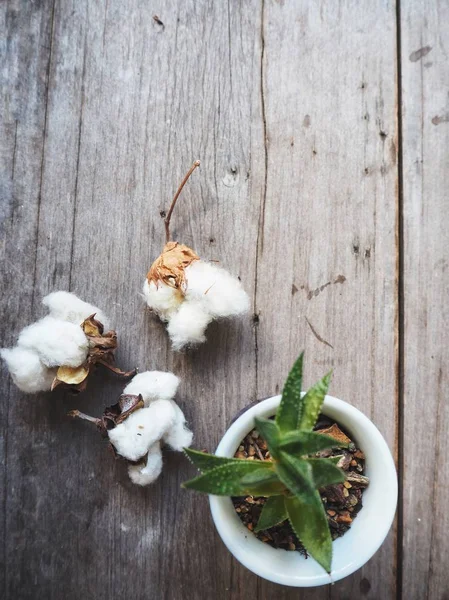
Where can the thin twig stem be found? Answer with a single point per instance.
(80, 415)
(173, 204)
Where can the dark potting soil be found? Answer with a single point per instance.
(342, 501)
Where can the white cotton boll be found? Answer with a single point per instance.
(153, 385)
(144, 474)
(188, 325)
(68, 307)
(27, 371)
(142, 431)
(133, 438)
(221, 294)
(178, 436)
(56, 342)
(162, 298)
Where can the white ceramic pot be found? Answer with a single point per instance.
(367, 531)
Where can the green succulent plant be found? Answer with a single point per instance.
(291, 480)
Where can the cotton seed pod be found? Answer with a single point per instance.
(169, 268)
(145, 417)
(61, 348)
(187, 292)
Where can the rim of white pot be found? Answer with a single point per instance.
(351, 551)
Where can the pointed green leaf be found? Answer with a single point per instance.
(295, 474)
(290, 408)
(312, 403)
(325, 473)
(273, 488)
(270, 433)
(259, 476)
(273, 513)
(305, 510)
(307, 442)
(308, 520)
(205, 462)
(263, 482)
(225, 480)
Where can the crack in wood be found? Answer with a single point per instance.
(259, 242)
(80, 130)
(317, 335)
(316, 292)
(44, 137)
(14, 150)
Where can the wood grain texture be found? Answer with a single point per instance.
(425, 85)
(129, 106)
(327, 238)
(291, 108)
(25, 432)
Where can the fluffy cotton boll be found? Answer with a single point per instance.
(188, 325)
(178, 436)
(68, 307)
(162, 298)
(153, 385)
(27, 371)
(220, 293)
(134, 437)
(146, 473)
(56, 342)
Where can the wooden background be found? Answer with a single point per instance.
(323, 131)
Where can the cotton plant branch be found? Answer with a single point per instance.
(187, 292)
(175, 198)
(101, 347)
(63, 348)
(144, 418)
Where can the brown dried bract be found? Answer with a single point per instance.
(92, 327)
(101, 351)
(113, 415)
(169, 267)
(117, 413)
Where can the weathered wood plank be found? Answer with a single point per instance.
(130, 104)
(25, 52)
(120, 133)
(425, 84)
(62, 147)
(327, 250)
(167, 93)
